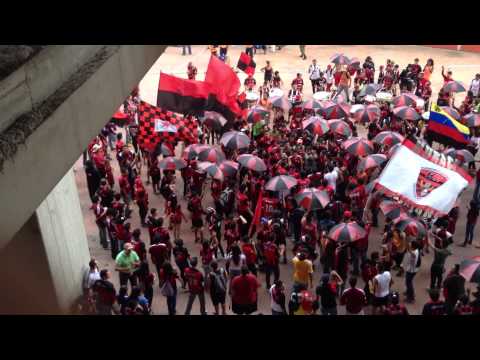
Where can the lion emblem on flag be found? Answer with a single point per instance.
(428, 180)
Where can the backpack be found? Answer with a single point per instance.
(219, 282)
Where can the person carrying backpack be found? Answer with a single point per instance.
(217, 285)
(250, 255)
(272, 261)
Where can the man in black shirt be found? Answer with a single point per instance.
(435, 306)
(454, 287)
(105, 294)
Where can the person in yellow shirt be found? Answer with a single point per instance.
(399, 247)
(302, 270)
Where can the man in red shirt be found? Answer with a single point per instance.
(159, 254)
(354, 298)
(272, 261)
(191, 71)
(269, 205)
(250, 83)
(395, 308)
(195, 208)
(196, 286)
(244, 293)
(125, 187)
(297, 83)
(100, 218)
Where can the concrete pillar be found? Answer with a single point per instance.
(43, 265)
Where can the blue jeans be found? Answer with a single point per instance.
(469, 233)
(172, 303)
(476, 192)
(409, 284)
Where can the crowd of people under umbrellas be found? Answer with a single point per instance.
(318, 203)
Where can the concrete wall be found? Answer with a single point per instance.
(56, 144)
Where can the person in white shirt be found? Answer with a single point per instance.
(329, 76)
(411, 264)
(277, 298)
(332, 177)
(381, 289)
(314, 74)
(475, 86)
(91, 275)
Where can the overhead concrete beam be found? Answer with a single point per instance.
(51, 150)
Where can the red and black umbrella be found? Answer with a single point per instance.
(336, 110)
(406, 99)
(358, 146)
(368, 114)
(393, 210)
(211, 169)
(171, 163)
(165, 150)
(473, 120)
(406, 113)
(340, 127)
(340, 59)
(462, 155)
(312, 199)
(347, 232)
(470, 269)
(370, 89)
(355, 62)
(252, 162)
(452, 112)
(454, 86)
(411, 227)
(211, 154)
(281, 102)
(228, 167)
(281, 183)
(316, 125)
(311, 105)
(213, 120)
(256, 114)
(235, 140)
(371, 161)
(388, 138)
(191, 151)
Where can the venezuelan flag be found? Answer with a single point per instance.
(444, 129)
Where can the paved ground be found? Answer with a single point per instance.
(287, 61)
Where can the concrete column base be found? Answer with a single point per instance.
(42, 267)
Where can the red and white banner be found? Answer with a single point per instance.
(423, 178)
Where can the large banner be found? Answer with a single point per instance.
(423, 178)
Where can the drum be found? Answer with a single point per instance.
(275, 92)
(251, 96)
(426, 115)
(420, 103)
(370, 98)
(322, 95)
(384, 96)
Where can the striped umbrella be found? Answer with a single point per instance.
(281, 102)
(452, 112)
(312, 199)
(171, 163)
(340, 59)
(368, 114)
(406, 99)
(228, 167)
(411, 227)
(311, 105)
(393, 149)
(470, 269)
(473, 120)
(252, 162)
(257, 113)
(358, 146)
(191, 151)
(325, 104)
(463, 156)
(211, 169)
(336, 111)
(370, 89)
(355, 62)
(235, 140)
(281, 183)
(393, 210)
(454, 86)
(388, 138)
(316, 125)
(213, 119)
(347, 232)
(371, 161)
(406, 113)
(340, 127)
(211, 154)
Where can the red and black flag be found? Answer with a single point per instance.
(224, 85)
(246, 64)
(148, 138)
(181, 95)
